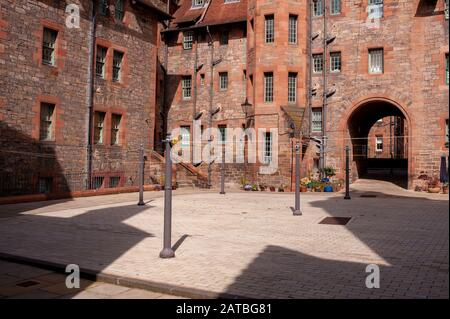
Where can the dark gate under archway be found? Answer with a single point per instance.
(383, 156)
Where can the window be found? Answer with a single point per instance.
(47, 127)
(198, 3)
(335, 61)
(446, 69)
(100, 61)
(99, 122)
(224, 37)
(270, 29)
(292, 87)
(223, 134)
(316, 120)
(267, 147)
(186, 87)
(446, 9)
(116, 119)
(103, 7)
(335, 7)
(223, 79)
(293, 19)
(376, 10)
(202, 79)
(188, 40)
(318, 8)
(45, 185)
(376, 61)
(97, 182)
(49, 46)
(185, 136)
(114, 181)
(268, 87)
(119, 10)
(317, 63)
(446, 133)
(379, 143)
(117, 66)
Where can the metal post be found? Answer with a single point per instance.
(222, 172)
(167, 251)
(347, 173)
(297, 211)
(141, 176)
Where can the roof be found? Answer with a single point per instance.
(149, 3)
(295, 115)
(214, 13)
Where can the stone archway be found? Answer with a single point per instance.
(368, 161)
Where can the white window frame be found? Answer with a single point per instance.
(376, 61)
(317, 61)
(268, 87)
(223, 81)
(335, 62)
(196, 4)
(47, 122)
(317, 5)
(50, 37)
(100, 61)
(292, 87)
(188, 40)
(116, 122)
(268, 147)
(293, 29)
(379, 144)
(185, 132)
(335, 7)
(118, 57)
(99, 127)
(186, 87)
(269, 28)
(316, 120)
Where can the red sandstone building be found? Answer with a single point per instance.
(339, 66)
(76, 104)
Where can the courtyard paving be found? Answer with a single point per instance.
(248, 244)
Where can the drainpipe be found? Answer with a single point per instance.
(324, 107)
(90, 97)
(309, 115)
(211, 97)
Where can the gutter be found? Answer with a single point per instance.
(90, 97)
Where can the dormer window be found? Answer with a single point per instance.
(198, 3)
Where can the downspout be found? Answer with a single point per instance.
(211, 96)
(309, 115)
(90, 97)
(324, 107)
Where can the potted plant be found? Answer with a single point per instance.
(328, 188)
(254, 188)
(433, 186)
(445, 188)
(262, 187)
(329, 172)
(304, 182)
(272, 188)
(281, 188)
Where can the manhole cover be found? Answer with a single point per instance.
(27, 284)
(368, 196)
(335, 221)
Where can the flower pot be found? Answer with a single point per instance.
(272, 189)
(303, 189)
(434, 190)
(328, 189)
(445, 190)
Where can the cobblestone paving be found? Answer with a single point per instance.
(19, 281)
(249, 244)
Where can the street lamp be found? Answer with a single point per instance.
(246, 107)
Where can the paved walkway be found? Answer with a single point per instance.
(249, 244)
(25, 282)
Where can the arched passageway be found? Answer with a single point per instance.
(379, 137)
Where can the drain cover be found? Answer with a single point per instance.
(368, 196)
(27, 284)
(335, 221)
